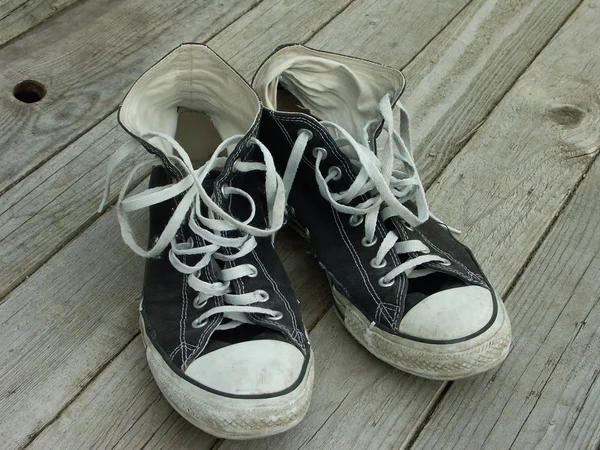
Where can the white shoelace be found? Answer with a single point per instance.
(387, 188)
(211, 227)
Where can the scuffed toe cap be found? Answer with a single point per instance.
(450, 314)
(249, 368)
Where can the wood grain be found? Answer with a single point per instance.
(504, 190)
(454, 83)
(383, 406)
(61, 327)
(18, 16)
(87, 69)
(307, 278)
(51, 205)
(512, 178)
(402, 401)
(63, 184)
(137, 396)
(546, 394)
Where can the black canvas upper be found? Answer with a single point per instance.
(167, 301)
(337, 244)
(167, 308)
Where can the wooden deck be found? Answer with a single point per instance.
(505, 102)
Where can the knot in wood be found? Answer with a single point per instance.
(567, 115)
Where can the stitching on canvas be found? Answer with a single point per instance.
(357, 262)
(295, 328)
(344, 162)
(470, 275)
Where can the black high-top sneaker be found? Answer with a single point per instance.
(220, 321)
(403, 286)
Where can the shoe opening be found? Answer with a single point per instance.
(194, 96)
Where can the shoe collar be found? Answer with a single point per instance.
(332, 87)
(192, 77)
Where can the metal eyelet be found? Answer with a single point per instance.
(264, 295)
(337, 171)
(355, 220)
(366, 243)
(376, 265)
(254, 272)
(384, 283)
(223, 187)
(304, 130)
(197, 324)
(445, 263)
(198, 304)
(407, 226)
(278, 315)
(318, 150)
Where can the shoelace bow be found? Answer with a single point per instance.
(212, 227)
(387, 188)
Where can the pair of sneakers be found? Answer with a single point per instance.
(313, 144)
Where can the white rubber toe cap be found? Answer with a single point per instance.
(450, 314)
(249, 368)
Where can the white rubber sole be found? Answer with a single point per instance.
(226, 417)
(434, 361)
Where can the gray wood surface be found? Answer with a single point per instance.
(72, 371)
(303, 270)
(126, 387)
(331, 407)
(454, 83)
(503, 189)
(56, 201)
(87, 58)
(62, 326)
(547, 393)
(18, 16)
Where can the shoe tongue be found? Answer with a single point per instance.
(334, 92)
(332, 87)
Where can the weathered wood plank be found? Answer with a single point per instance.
(54, 183)
(503, 190)
(546, 395)
(18, 16)
(333, 419)
(96, 293)
(454, 83)
(137, 400)
(515, 173)
(453, 79)
(60, 328)
(45, 210)
(388, 29)
(303, 271)
(386, 419)
(87, 69)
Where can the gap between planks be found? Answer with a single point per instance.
(520, 278)
(86, 70)
(26, 14)
(417, 47)
(547, 387)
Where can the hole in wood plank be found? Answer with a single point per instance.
(29, 91)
